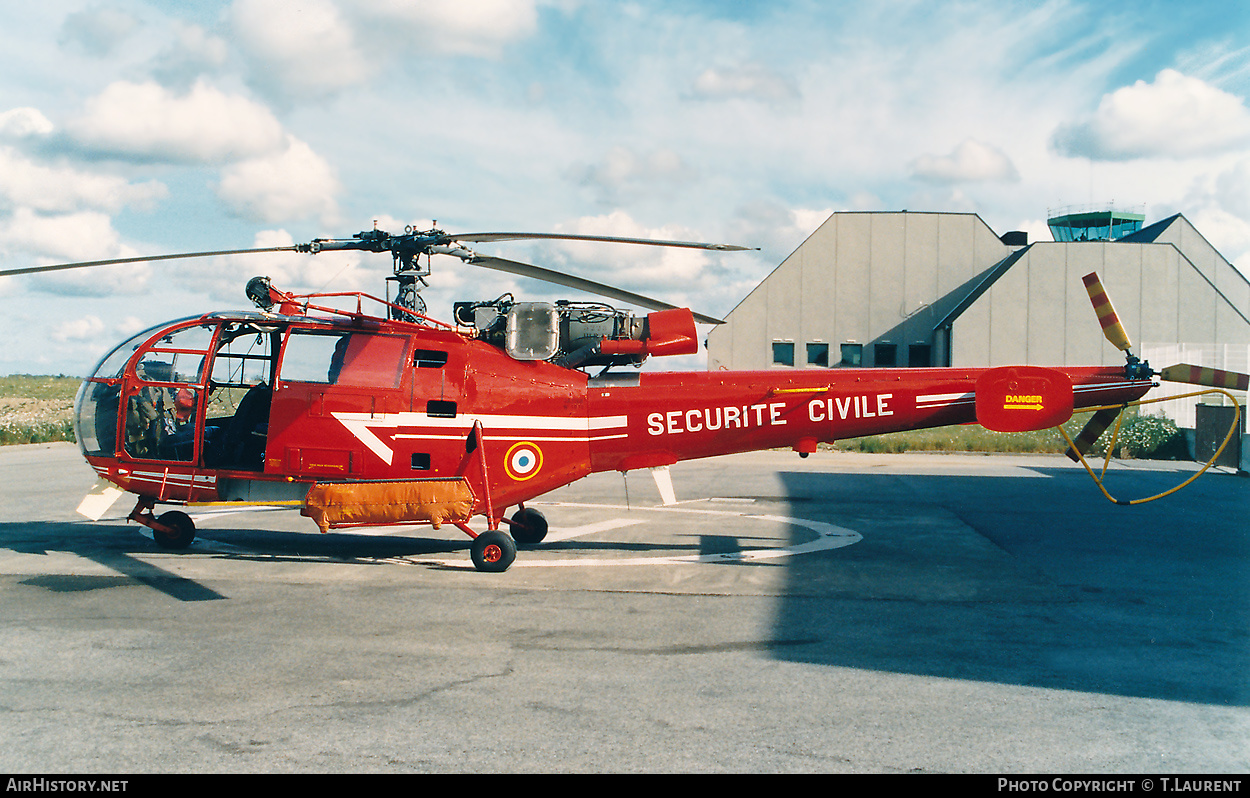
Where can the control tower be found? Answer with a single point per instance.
(1094, 222)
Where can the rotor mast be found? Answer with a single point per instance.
(407, 249)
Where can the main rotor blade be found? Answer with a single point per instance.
(1111, 326)
(139, 259)
(581, 284)
(1199, 375)
(481, 237)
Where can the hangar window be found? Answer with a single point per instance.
(885, 355)
(919, 356)
(818, 355)
(783, 353)
(852, 355)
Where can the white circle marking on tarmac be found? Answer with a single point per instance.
(827, 538)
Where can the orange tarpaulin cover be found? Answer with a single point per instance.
(435, 501)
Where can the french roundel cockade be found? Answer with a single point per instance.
(523, 460)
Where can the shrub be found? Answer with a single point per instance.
(1151, 437)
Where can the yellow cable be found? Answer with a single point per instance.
(1115, 434)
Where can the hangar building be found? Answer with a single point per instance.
(899, 289)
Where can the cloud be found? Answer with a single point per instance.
(294, 183)
(625, 171)
(971, 161)
(61, 189)
(87, 328)
(750, 81)
(22, 123)
(304, 48)
(312, 49)
(1232, 190)
(97, 30)
(145, 122)
(193, 53)
(480, 28)
(87, 235)
(1174, 117)
(69, 238)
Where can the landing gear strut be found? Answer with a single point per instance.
(173, 530)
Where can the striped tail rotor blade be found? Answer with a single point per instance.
(1094, 428)
(1111, 326)
(1198, 375)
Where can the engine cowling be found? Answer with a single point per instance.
(576, 335)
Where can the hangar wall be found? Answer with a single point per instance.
(909, 288)
(935, 289)
(1038, 311)
(860, 278)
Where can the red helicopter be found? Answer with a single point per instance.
(367, 420)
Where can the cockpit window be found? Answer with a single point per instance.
(160, 423)
(343, 358)
(236, 423)
(177, 357)
(114, 362)
(96, 406)
(244, 356)
(162, 410)
(195, 339)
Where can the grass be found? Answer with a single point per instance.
(1142, 437)
(36, 409)
(964, 438)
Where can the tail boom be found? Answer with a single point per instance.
(683, 416)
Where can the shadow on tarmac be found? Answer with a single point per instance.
(1036, 581)
(116, 546)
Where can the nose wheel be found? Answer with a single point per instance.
(493, 551)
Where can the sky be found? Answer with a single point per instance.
(141, 128)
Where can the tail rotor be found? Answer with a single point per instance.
(1111, 326)
(1212, 378)
(1134, 368)
(1137, 369)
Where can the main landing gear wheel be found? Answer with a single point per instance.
(528, 527)
(181, 534)
(493, 551)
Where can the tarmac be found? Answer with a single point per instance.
(843, 613)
